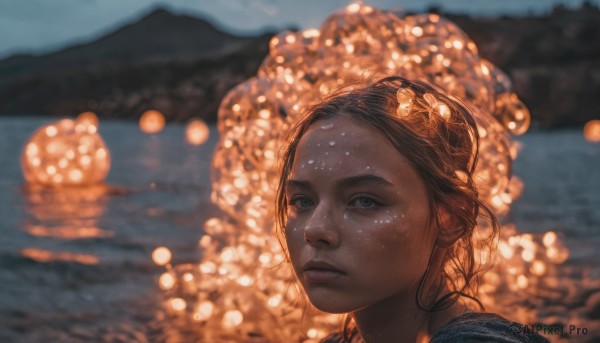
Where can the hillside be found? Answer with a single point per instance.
(183, 66)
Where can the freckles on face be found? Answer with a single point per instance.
(356, 204)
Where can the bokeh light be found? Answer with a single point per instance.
(152, 121)
(161, 256)
(591, 130)
(197, 132)
(66, 153)
(88, 118)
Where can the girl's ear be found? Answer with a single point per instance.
(450, 229)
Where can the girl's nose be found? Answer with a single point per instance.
(321, 230)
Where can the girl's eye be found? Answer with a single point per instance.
(364, 202)
(300, 203)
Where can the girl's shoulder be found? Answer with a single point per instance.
(485, 327)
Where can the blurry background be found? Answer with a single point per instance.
(119, 58)
(75, 266)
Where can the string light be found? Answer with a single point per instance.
(66, 153)
(241, 284)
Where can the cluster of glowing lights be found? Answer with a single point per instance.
(241, 288)
(152, 121)
(66, 153)
(591, 131)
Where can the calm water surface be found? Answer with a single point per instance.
(101, 287)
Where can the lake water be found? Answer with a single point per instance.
(102, 285)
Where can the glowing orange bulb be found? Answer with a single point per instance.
(197, 132)
(245, 280)
(89, 117)
(311, 33)
(522, 281)
(353, 8)
(505, 249)
(591, 131)
(166, 281)
(57, 154)
(538, 268)
(161, 256)
(152, 121)
(204, 311)
(405, 99)
(275, 300)
(51, 131)
(444, 111)
(232, 318)
(417, 31)
(228, 254)
(549, 238)
(208, 267)
(527, 255)
(178, 304)
(86, 121)
(312, 333)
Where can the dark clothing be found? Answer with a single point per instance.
(484, 327)
(475, 327)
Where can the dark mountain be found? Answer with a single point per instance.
(178, 64)
(160, 36)
(553, 60)
(183, 66)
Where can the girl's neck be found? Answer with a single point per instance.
(398, 319)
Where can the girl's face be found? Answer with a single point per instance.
(358, 228)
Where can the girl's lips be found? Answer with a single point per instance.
(321, 275)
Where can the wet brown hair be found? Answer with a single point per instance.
(444, 152)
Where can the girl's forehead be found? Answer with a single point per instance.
(343, 145)
(340, 128)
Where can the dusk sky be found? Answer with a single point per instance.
(40, 26)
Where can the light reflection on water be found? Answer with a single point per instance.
(67, 213)
(74, 262)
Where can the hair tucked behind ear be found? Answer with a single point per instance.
(438, 135)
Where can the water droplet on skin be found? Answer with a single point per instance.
(327, 126)
(347, 153)
(343, 134)
(345, 215)
(368, 167)
(311, 161)
(332, 144)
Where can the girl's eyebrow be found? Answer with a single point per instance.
(301, 184)
(346, 182)
(363, 179)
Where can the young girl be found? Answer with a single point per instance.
(378, 207)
